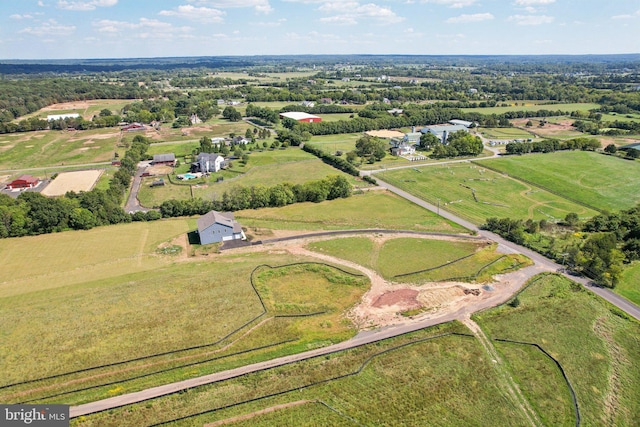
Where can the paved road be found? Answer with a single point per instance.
(133, 204)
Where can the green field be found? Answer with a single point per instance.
(505, 133)
(497, 195)
(534, 107)
(391, 212)
(56, 148)
(604, 182)
(597, 346)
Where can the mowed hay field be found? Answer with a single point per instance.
(56, 148)
(372, 209)
(596, 344)
(496, 195)
(604, 182)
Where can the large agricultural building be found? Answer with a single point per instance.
(301, 117)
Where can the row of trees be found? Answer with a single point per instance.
(335, 161)
(260, 196)
(459, 144)
(551, 145)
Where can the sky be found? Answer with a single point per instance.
(65, 29)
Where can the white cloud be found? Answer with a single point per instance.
(19, 17)
(464, 18)
(531, 19)
(452, 3)
(50, 28)
(145, 28)
(261, 6)
(85, 5)
(202, 14)
(350, 12)
(627, 16)
(533, 2)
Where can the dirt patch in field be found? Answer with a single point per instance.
(73, 181)
(159, 170)
(401, 297)
(385, 133)
(74, 105)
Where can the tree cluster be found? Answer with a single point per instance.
(459, 144)
(551, 145)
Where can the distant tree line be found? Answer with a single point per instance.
(260, 196)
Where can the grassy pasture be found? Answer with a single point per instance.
(55, 148)
(332, 143)
(629, 286)
(497, 195)
(597, 346)
(505, 133)
(62, 259)
(605, 182)
(415, 384)
(404, 256)
(391, 212)
(533, 107)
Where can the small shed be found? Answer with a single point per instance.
(215, 227)
(23, 181)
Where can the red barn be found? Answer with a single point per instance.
(301, 117)
(23, 181)
(133, 127)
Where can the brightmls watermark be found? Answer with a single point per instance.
(34, 415)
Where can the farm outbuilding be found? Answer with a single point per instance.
(23, 181)
(53, 117)
(164, 159)
(217, 227)
(132, 127)
(301, 117)
(443, 131)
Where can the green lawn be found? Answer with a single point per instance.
(497, 195)
(604, 182)
(331, 143)
(598, 347)
(382, 210)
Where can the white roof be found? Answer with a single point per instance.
(460, 122)
(62, 116)
(297, 115)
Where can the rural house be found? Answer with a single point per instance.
(164, 159)
(23, 181)
(207, 162)
(217, 227)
